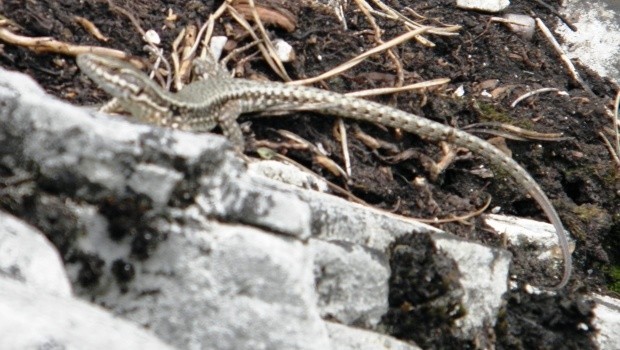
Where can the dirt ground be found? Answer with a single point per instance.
(576, 172)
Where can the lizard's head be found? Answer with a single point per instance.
(118, 78)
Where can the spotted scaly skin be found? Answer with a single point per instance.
(218, 100)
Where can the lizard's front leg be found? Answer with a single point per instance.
(225, 116)
(227, 120)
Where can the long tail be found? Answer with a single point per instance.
(349, 107)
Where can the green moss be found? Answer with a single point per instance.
(588, 212)
(611, 176)
(605, 173)
(489, 112)
(613, 274)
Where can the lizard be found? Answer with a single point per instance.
(217, 99)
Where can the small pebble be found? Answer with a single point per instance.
(284, 50)
(522, 25)
(151, 37)
(216, 45)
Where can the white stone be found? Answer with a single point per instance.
(483, 5)
(151, 37)
(284, 50)
(225, 287)
(27, 256)
(216, 46)
(519, 231)
(597, 41)
(523, 25)
(483, 295)
(288, 174)
(155, 182)
(349, 338)
(607, 321)
(347, 293)
(34, 319)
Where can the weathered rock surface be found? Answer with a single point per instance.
(596, 42)
(27, 256)
(607, 321)
(347, 338)
(37, 307)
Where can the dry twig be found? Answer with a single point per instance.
(513, 132)
(357, 60)
(332, 186)
(449, 154)
(614, 152)
(532, 93)
(91, 28)
(267, 55)
(48, 44)
(457, 218)
(237, 51)
(208, 27)
(449, 30)
(132, 19)
(391, 90)
(558, 49)
(610, 149)
(560, 16)
(276, 16)
(344, 145)
(365, 8)
(616, 121)
(319, 155)
(267, 41)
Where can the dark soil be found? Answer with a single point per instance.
(576, 173)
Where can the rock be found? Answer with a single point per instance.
(336, 220)
(284, 50)
(483, 297)
(607, 321)
(288, 174)
(154, 181)
(522, 25)
(27, 256)
(483, 5)
(593, 19)
(35, 319)
(36, 302)
(348, 338)
(526, 232)
(347, 293)
(229, 286)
